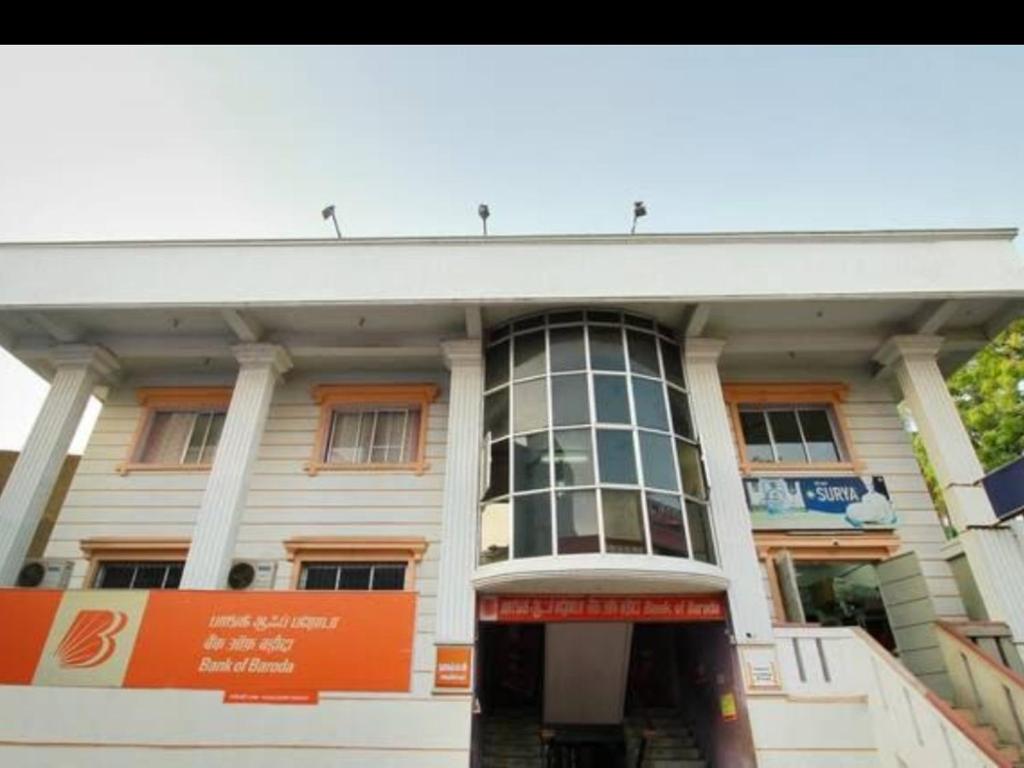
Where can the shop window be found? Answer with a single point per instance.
(790, 426)
(367, 427)
(355, 563)
(179, 428)
(118, 563)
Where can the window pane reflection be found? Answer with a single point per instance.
(567, 350)
(668, 535)
(570, 400)
(531, 405)
(623, 521)
(577, 522)
(494, 533)
(532, 525)
(649, 401)
(611, 399)
(574, 464)
(529, 355)
(615, 457)
(700, 532)
(531, 462)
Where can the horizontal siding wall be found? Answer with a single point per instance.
(884, 447)
(283, 501)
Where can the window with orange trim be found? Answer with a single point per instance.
(372, 427)
(179, 428)
(354, 563)
(135, 563)
(790, 427)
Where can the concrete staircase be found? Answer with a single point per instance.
(1012, 753)
(511, 740)
(670, 742)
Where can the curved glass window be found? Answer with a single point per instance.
(590, 443)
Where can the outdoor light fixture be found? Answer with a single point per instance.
(639, 209)
(484, 212)
(328, 213)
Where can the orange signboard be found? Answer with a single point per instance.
(454, 665)
(554, 608)
(256, 645)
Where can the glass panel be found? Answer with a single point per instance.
(623, 522)
(354, 577)
(700, 532)
(565, 317)
(532, 525)
(499, 470)
(494, 533)
(755, 435)
(531, 463)
(529, 359)
(531, 405)
(599, 316)
(195, 444)
(344, 438)
(570, 400)
(389, 437)
(150, 576)
(606, 349)
(531, 322)
(611, 399)
(643, 353)
(639, 322)
(497, 365)
(680, 407)
(574, 464)
(116, 576)
(788, 444)
(320, 577)
(498, 333)
(173, 579)
(673, 361)
(615, 456)
(658, 461)
(690, 469)
(388, 576)
(821, 445)
(213, 438)
(649, 401)
(167, 435)
(577, 522)
(568, 352)
(668, 536)
(496, 413)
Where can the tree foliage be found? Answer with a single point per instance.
(988, 393)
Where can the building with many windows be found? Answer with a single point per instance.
(509, 501)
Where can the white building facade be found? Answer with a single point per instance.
(518, 501)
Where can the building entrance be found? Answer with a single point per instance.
(610, 694)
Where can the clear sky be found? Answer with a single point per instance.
(253, 142)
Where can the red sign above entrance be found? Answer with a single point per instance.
(516, 609)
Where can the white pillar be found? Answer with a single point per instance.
(456, 612)
(730, 517)
(78, 369)
(995, 555)
(213, 542)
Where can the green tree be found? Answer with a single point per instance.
(989, 393)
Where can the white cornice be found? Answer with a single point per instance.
(998, 233)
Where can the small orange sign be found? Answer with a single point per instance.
(454, 666)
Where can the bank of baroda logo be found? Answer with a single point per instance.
(91, 639)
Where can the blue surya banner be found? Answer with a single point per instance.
(819, 503)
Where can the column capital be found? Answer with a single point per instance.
(273, 356)
(462, 352)
(97, 359)
(908, 347)
(702, 350)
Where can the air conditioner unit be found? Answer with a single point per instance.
(45, 574)
(252, 574)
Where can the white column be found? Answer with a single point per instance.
(78, 369)
(213, 542)
(456, 612)
(995, 554)
(729, 515)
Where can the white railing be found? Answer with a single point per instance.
(912, 725)
(992, 691)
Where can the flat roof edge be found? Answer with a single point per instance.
(895, 235)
